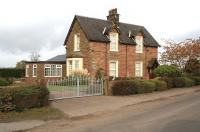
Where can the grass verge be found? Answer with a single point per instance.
(44, 113)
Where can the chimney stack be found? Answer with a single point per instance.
(113, 17)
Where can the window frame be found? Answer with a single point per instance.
(116, 43)
(117, 67)
(77, 42)
(34, 70)
(27, 70)
(140, 38)
(141, 68)
(51, 72)
(73, 64)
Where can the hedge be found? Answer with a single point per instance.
(170, 82)
(160, 85)
(20, 98)
(145, 86)
(125, 87)
(12, 72)
(196, 79)
(3, 82)
(180, 82)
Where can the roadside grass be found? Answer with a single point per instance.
(44, 113)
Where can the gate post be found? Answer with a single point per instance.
(78, 89)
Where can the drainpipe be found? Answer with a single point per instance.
(126, 61)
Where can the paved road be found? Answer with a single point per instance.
(175, 114)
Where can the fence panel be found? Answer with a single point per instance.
(75, 87)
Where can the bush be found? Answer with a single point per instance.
(196, 79)
(145, 86)
(183, 82)
(3, 82)
(12, 72)
(167, 71)
(160, 85)
(169, 81)
(124, 87)
(20, 98)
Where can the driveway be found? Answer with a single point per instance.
(78, 107)
(175, 114)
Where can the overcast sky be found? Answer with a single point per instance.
(41, 25)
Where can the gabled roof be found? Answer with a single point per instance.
(58, 58)
(93, 29)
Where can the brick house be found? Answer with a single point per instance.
(120, 49)
(54, 68)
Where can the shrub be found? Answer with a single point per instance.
(20, 98)
(167, 71)
(160, 85)
(145, 86)
(12, 72)
(169, 81)
(3, 82)
(183, 82)
(196, 79)
(124, 87)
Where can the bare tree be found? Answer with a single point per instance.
(35, 56)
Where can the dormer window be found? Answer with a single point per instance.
(139, 44)
(77, 42)
(113, 41)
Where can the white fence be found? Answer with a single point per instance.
(75, 87)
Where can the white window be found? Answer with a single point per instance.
(52, 70)
(113, 68)
(139, 44)
(113, 41)
(34, 70)
(74, 64)
(77, 42)
(138, 69)
(27, 70)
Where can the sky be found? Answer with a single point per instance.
(41, 26)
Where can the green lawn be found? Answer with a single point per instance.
(44, 113)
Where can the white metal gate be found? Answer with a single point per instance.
(75, 87)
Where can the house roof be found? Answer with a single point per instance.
(58, 58)
(93, 29)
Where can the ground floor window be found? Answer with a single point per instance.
(113, 68)
(53, 70)
(34, 70)
(27, 70)
(74, 64)
(138, 69)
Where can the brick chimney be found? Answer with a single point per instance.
(113, 17)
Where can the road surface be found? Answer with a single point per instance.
(174, 114)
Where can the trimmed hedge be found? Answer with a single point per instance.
(160, 85)
(12, 72)
(180, 82)
(145, 86)
(124, 87)
(20, 98)
(196, 79)
(4, 82)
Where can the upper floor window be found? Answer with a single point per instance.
(113, 41)
(77, 42)
(27, 70)
(34, 70)
(139, 44)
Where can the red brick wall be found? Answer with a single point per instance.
(97, 55)
(40, 73)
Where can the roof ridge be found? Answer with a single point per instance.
(107, 20)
